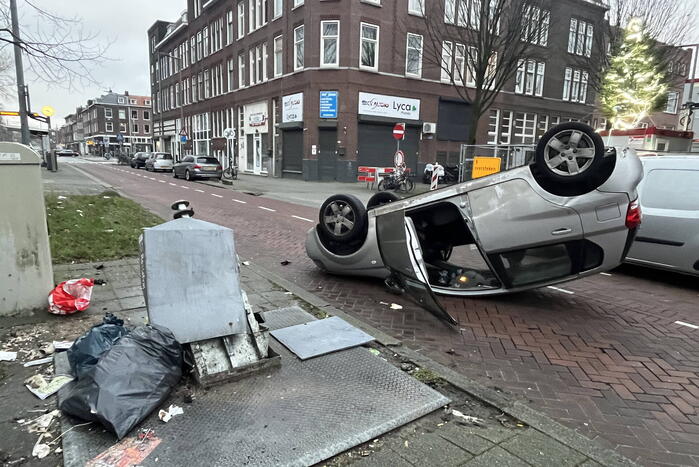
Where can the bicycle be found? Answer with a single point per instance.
(231, 172)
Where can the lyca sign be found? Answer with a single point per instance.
(380, 105)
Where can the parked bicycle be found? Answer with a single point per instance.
(397, 181)
(231, 172)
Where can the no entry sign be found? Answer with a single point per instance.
(399, 131)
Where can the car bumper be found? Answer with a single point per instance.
(199, 174)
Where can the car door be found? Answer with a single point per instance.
(669, 233)
(401, 253)
(527, 238)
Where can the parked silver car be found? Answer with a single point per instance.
(669, 196)
(570, 214)
(192, 167)
(160, 161)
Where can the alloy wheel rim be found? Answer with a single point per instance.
(339, 218)
(569, 153)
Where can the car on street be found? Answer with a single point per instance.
(160, 161)
(138, 161)
(193, 167)
(66, 153)
(669, 197)
(572, 213)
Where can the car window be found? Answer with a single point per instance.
(188, 159)
(671, 189)
(167, 157)
(207, 160)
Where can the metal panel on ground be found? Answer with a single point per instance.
(321, 337)
(303, 413)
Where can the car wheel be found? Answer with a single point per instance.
(133, 166)
(174, 174)
(379, 199)
(187, 176)
(343, 218)
(569, 153)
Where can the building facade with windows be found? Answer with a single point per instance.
(313, 88)
(109, 123)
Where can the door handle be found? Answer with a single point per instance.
(561, 231)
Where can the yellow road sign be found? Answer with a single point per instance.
(483, 166)
(48, 111)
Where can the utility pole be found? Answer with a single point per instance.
(21, 89)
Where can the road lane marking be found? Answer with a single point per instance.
(218, 196)
(569, 292)
(239, 201)
(605, 274)
(689, 325)
(200, 191)
(185, 187)
(302, 218)
(267, 209)
(151, 178)
(173, 184)
(161, 181)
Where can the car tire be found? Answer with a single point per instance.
(379, 199)
(343, 218)
(569, 154)
(174, 174)
(133, 166)
(187, 176)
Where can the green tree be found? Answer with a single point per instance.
(637, 79)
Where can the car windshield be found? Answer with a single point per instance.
(207, 160)
(144, 156)
(167, 157)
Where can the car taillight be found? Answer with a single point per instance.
(197, 166)
(633, 215)
(218, 167)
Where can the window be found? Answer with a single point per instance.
(134, 114)
(258, 67)
(298, 48)
(121, 100)
(463, 12)
(122, 114)
(147, 102)
(536, 26)
(580, 37)
(241, 70)
(193, 49)
(278, 57)
(207, 84)
(231, 74)
(260, 7)
(298, 3)
(672, 189)
(525, 128)
(122, 127)
(110, 127)
(134, 128)
(146, 128)
(530, 78)
(413, 55)
(107, 113)
(241, 20)
(205, 33)
(672, 98)
(229, 27)
(369, 47)
(575, 85)
(278, 7)
(329, 40)
(146, 115)
(447, 61)
(417, 7)
(132, 101)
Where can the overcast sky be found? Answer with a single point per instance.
(125, 23)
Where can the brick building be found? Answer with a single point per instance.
(313, 87)
(108, 123)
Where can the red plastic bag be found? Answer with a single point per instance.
(71, 296)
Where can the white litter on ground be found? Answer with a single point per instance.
(8, 356)
(173, 410)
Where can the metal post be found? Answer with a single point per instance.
(21, 90)
(690, 98)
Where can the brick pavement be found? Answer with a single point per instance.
(606, 360)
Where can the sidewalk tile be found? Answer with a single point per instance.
(430, 449)
(496, 457)
(465, 440)
(540, 449)
(383, 458)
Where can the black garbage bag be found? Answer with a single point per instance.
(88, 348)
(130, 380)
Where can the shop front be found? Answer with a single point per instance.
(254, 140)
(292, 136)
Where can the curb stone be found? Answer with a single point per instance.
(515, 408)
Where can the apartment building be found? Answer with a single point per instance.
(110, 122)
(313, 87)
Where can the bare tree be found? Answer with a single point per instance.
(479, 45)
(56, 49)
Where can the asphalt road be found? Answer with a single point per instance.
(604, 355)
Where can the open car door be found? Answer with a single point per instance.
(401, 252)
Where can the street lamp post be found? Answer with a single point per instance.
(179, 77)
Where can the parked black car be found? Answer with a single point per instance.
(139, 160)
(192, 167)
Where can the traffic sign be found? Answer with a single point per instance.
(229, 133)
(183, 138)
(484, 166)
(120, 138)
(399, 158)
(399, 131)
(183, 132)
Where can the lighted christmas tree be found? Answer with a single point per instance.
(635, 85)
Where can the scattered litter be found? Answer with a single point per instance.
(173, 410)
(8, 356)
(468, 418)
(42, 389)
(70, 296)
(395, 306)
(288, 293)
(108, 230)
(407, 366)
(41, 450)
(384, 303)
(100, 282)
(129, 451)
(374, 351)
(107, 197)
(406, 443)
(246, 263)
(62, 197)
(47, 349)
(451, 351)
(285, 262)
(41, 424)
(99, 266)
(62, 345)
(41, 361)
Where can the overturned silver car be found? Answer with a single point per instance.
(572, 213)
